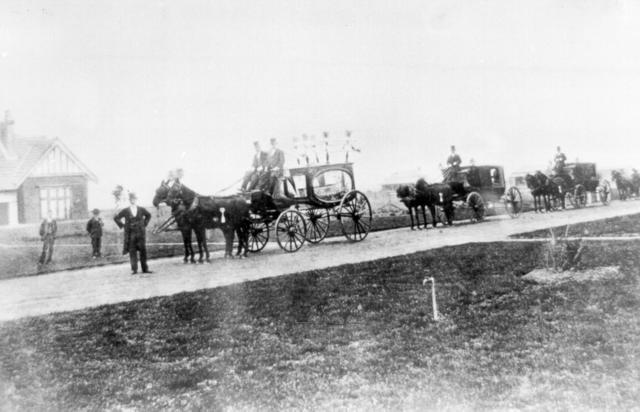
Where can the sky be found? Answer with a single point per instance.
(136, 88)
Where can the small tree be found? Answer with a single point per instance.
(563, 253)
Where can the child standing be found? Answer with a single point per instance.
(94, 228)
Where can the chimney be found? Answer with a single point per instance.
(7, 136)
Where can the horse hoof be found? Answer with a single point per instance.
(193, 262)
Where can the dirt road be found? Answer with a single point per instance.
(77, 289)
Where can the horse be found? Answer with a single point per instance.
(422, 194)
(625, 186)
(229, 214)
(186, 223)
(538, 191)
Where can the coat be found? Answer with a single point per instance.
(49, 229)
(259, 160)
(275, 160)
(94, 227)
(134, 226)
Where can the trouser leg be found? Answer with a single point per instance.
(133, 258)
(49, 241)
(99, 246)
(143, 255)
(43, 255)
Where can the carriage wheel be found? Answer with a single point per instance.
(355, 216)
(291, 230)
(604, 192)
(580, 196)
(317, 224)
(476, 204)
(513, 202)
(258, 235)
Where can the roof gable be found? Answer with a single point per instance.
(40, 157)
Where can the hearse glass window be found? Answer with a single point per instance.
(331, 185)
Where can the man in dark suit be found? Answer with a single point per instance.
(559, 161)
(94, 228)
(453, 166)
(136, 220)
(275, 166)
(48, 230)
(258, 165)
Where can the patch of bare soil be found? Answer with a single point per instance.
(550, 276)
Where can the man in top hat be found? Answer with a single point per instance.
(136, 219)
(258, 165)
(559, 161)
(94, 228)
(48, 230)
(453, 166)
(275, 166)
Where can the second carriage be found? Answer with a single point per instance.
(478, 188)
(313, 195)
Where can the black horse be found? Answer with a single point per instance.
(229, 214)
(422, 194)
(187, 222)
(626, 188)
(539, 193)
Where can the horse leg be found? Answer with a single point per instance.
(228, 242)
(448, 211)
(186, 242)
(200, 239)
(434, 218)
(424, 216)
(204, 245)
(411, 216)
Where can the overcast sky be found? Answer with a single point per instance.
(135, 88)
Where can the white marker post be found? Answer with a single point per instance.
(434, 304)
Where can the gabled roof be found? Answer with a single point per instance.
(29, 152)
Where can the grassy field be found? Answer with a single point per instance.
(351, 337)
(616, 226)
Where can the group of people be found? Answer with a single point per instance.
(133, 219)
(266, 169)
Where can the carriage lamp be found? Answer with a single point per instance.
(434, 304)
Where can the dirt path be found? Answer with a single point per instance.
(77, 289)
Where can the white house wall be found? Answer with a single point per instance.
(11, 197)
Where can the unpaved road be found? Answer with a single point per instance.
(77, 289)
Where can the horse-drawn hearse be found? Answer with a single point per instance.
(312, 195)
(480, 187)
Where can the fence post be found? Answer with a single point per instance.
(434, 303)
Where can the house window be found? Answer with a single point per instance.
(57, 199)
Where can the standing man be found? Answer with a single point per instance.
(48, 229)
(559, 161)
(94, 228)
(258, 165)
(136, 220)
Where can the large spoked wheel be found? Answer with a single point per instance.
(355, 215)
(580, 196)
(291, 230)
(317, 224)
(513, 202)
(258, 235)
(604, 192)
(476, 204)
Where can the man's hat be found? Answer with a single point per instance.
(96, 211)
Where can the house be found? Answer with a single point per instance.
(37, 175)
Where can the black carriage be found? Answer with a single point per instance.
(480, 187)
(312, 196)
(580, 179)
